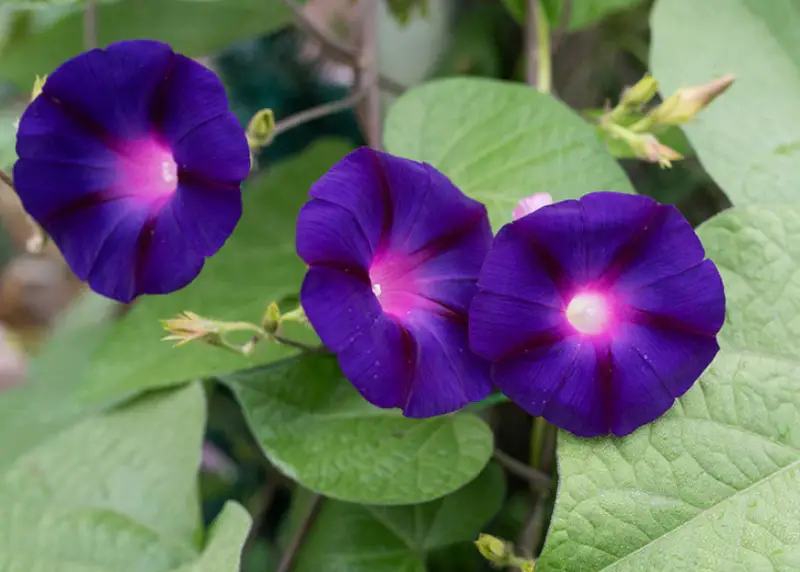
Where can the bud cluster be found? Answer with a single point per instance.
(638, 128)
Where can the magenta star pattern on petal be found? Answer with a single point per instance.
(132, 163)
(394, 250)
(598, 313)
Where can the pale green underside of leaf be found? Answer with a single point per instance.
(193, 28)
(362, 538)
(714, 485)
(257, 265)
(314, 426)
(749, 139)
(500, 142)
(106, 492)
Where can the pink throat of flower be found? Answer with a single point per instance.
(590, 313)
(395, 286)
(149, 170)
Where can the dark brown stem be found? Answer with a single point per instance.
(318, 112)
(260, 506)
(296, 542)
(537, 479)
(90, 25)
(368, 65)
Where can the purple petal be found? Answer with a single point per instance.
(159, 245)
(214, 154)
(577, 241)
(429, 212)
(206, 216)
(650, 369)
(47, 133)
(329, 234)
(557, 382)
(114, 271)
(190, 96)
(110, 91)
(447, 375)
(340, 306)
(82, 233)
(355, 184)
(48, 189)
(512, 268)
(423, 368)
(693, 300)
(500, 326)
(670, 247)
(379, 362)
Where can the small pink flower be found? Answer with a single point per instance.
(532, 203)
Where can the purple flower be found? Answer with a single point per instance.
(597, 314)
(394, 250)
(132, 162)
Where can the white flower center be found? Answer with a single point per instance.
(588, 313)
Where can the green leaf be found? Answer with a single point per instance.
(364, 538)
(583, 13)
(224, 548)
(193, 28)
(712, 485)
(257, 265)
(78, 332)
(110, 492)
(319, 431)
(748, 140)
(500, 142)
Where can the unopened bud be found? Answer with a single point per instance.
(651, 149)
(530, 204)
(260, 127)
(527, 566)
(272, 319)
(640, 93)
(687, 102)
(493, 549)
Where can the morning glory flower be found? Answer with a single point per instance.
(131, 161)
(394, 250)
(598, 313)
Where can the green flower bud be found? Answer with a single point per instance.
(494, 550)
(687, 102)
(641, 93)
(260, 127)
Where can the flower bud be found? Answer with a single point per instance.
(272, 318)
(651, 149)
(687, 102)
(260, 127)
(493, 549)
(527, 205)
(641, 93)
